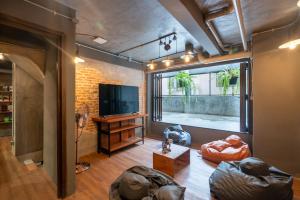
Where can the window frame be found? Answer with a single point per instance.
(245, 94)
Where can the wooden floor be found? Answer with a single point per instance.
(16, 182)
(94, 184)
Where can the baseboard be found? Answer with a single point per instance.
(36, 156)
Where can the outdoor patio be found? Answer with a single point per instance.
(203, 120)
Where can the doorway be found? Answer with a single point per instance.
(32, 146)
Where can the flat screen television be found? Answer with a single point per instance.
(118, 99)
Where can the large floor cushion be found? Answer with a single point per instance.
(178, 135)
(230, 149)
(250, 179)
(143, 183)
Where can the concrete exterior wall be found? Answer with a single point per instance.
(28, 115)
(211, 105)
(88, 77)
(276, 94)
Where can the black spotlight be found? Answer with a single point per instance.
(174, 37)
(167, 47)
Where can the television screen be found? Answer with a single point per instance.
(118, 99)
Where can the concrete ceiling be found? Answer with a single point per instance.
(127, 23)
(258, 15)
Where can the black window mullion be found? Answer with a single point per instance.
(157, 97)
(244, 97)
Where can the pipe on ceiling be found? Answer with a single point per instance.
(74, 20)
(240, 19)
(212, 16)
(108, 53)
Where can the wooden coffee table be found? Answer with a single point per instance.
(170, 162)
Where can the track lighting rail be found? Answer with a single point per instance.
(146, 43)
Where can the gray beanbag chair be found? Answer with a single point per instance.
(144, 183)
(250, 179)
(178, 135)
(133, 186)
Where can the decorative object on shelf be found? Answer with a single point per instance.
(81, 118)
(166, 145)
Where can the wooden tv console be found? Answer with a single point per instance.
(117, 132)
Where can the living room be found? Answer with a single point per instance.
(152, 99)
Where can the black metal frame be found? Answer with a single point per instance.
(157, 97)
(246, 103)
(107, 132)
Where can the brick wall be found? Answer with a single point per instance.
(88, 76)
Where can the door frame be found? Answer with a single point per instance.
(61, 127)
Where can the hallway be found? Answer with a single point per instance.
(17, 182)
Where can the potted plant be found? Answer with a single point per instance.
(227, 78)
(185, 82)
(223, 80)
(235, 73)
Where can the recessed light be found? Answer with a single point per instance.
(100, 40)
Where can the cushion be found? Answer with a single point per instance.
(133, 186)
(170, 192)
(232, 149)
(176, 128)
(234, 140)
(255, 167)
(219, 145)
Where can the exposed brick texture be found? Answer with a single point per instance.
(93, 72)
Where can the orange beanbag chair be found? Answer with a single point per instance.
(230, 149)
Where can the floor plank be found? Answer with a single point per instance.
(16, 182)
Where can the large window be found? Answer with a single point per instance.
(212, 97)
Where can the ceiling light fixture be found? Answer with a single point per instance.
(175, 38)
(291, 44)
(298, 4)
(189, 51)
(168, 62)
(77, 59)
(187, 57)
(151, 65)
(100, 40)
(1, 56)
